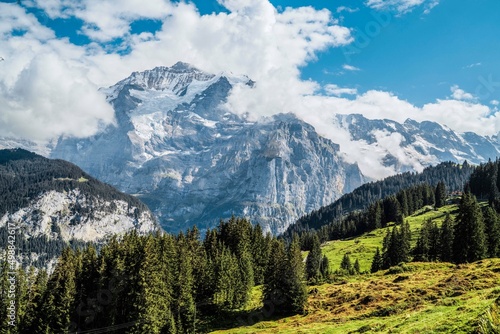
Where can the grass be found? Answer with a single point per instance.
(426, 298)
(432, 298)
(363, 248)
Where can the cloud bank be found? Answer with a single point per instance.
(49, 86)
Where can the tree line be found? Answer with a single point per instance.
(453, 175)
(159, 283)
(473, 234)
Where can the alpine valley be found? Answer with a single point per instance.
(193, 162)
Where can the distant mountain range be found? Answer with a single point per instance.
(403, 146)
(192, 161)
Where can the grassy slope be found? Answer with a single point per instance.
(429, 298)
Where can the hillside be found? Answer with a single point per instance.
(453, 175)
(53, 203)
(413, 298)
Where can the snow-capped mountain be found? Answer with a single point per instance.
(193, 162)
(411, 145)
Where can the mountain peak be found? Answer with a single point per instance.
(181, 66)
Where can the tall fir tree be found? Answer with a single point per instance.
(469, 242)
(492, 230)
(377, 262)
(313, 261)
(296, 294)
(440, 194)
(446, 236)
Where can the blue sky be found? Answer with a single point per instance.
(422, 59)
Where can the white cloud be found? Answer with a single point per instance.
(401, 6)
(347, 9)
(44, 88)
(335, 90)
(473, 65)
(495, 102)
(430, 6)
(55, 83)
(460, 94)
(348, 67)
(105, 20)
(253, 39)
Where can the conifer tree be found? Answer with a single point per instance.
(440, 194)
(59, 299)
(377, 262)
(346, 264)
(185, 309)
(313, 261)
(324, 267)
(356, 268)
(446, 239)
(296, 290)
(469, 243)
(492, 230)
(275, 277)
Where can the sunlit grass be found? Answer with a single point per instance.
(427, 298)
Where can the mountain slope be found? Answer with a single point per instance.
(52, 203)
(453, 175)
(411, 145)
(193, 162)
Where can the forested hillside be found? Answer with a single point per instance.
(24, 175)
(158, 283)
(52, 203)
(452, 175)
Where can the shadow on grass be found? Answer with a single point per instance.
(223, 320)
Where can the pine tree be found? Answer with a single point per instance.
(296, 292)
(155, 292)
(346, 264)
(275, 278)
(469, 243)
(185, 310)
(492, 229)
(313, 261)
(377, 262)
(59, 299)
(446, 239)
(440, 194)
(324, 267)
(356, 268)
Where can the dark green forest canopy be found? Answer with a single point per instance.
(25, 175)
(453, 175)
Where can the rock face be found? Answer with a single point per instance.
(72, 215)
(49, 204)
(406, 145)
(193, 162)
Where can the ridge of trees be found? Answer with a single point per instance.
(158, 283)
(473, 234)
(452, 175)
(25, 175)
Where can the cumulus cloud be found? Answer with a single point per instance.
(253, 39)
(460, 94)
(48, 86)
(44, 92)
(335, 90)
(347, 9)
(105, 20)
